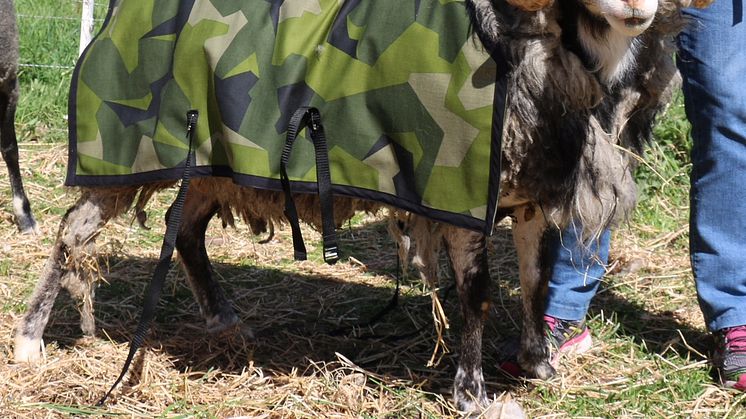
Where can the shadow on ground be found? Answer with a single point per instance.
(297, 317)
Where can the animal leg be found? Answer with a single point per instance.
(466, 250)
(70, 264)
(9, 146)
(529, 231)
(199, 208)
(428, 238)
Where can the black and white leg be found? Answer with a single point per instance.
(467, 253)
(9, 147)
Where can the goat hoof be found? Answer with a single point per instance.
(468, 391)
(503, 409)
(26, 349)
(24, 218)
(470, 407)
(27, 225)
(222, 322)
(88, 324)
(542, 370)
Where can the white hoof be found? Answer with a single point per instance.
(504, 409)
(26, 350)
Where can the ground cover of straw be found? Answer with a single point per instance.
(304, 358)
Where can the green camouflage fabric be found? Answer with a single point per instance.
(405, 90)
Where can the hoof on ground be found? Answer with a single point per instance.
(542, 370)
(503, 408)
(24, 218)
(228, 323)
(27, 226)
(472, 408)
(26, 350)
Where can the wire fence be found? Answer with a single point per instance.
(84, 23)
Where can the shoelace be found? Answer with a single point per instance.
(735, 339)
(551, 322)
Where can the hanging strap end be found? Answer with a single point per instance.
(331, 254)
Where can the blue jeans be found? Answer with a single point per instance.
(577, 269)
(712, 61)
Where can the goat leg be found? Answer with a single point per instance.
(9, 146)
(69, 265)
(467, 253)
(199, 208)
(528, 234)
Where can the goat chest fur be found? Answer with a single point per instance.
(406, 92)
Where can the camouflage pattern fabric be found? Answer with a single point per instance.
(406, 93)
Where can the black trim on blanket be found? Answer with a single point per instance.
(460, 220)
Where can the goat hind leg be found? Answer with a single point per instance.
(199, 208)
(68, 265)
(467, 253)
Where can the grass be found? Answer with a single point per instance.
(48, 49)
(650, 343)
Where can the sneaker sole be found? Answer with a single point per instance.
(575, 346)
(738, 385)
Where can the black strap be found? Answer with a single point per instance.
(393, 302)
(164, 262)
(291, 213)
(310, 118)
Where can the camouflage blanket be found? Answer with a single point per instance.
(406, 92)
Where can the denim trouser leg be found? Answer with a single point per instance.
(576, 272)
(712, 61)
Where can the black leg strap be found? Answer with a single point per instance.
(291, 213)
(164, 262)
(307, 117)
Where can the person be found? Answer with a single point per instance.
(712, 62)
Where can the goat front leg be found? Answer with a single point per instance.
(199, 208)
(467, 253)
(70, 264)
(529, 234)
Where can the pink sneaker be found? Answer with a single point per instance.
(730, 357)
(566, 337)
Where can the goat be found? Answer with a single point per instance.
(586, 83)
(8, 102)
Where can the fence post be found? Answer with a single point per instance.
(86, 25)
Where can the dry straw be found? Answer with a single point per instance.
(293, 366)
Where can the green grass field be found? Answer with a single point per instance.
(648, 360)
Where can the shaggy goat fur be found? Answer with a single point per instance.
(8, 101)
(574, 127)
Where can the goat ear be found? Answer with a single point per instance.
(536, 5)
